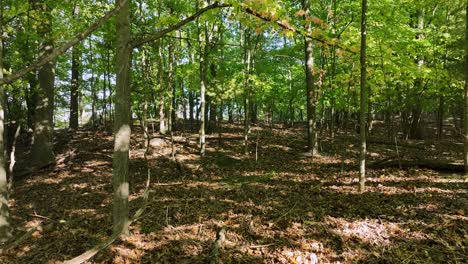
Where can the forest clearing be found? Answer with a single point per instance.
(233, 131)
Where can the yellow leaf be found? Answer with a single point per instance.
(300, 13)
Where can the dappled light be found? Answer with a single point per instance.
(283, 213)
(227, 131)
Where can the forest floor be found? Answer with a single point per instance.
(283, 207)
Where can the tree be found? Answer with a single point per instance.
(42, 153)
(75, 80)
(312, 143)
(203, 49)
(363, 102)
(465, 152)
(5, 228)
(122, 123)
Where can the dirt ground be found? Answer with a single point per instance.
(276, 205)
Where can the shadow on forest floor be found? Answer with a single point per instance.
(275, 210)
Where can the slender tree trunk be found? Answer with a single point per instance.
(312, 143)
(94, 96)
(247, 112)
(122, 124)
(465, 152)
(111, 118)
(104, 101)
(5, 228)
(171, 87)
(440, 117)
(230, 113)
(291, 98)
(42, 149)
(416, 131)
(363, 103)
(162, 116)
(191, 106)
(203, 48)
(75, 81)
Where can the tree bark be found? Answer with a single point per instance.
(191, 106)
(94, 97)
(465, 151)
(440, 117)
(162, 116)
(312, 143)
(363, 103)
(122, 124)
(416, 131)
(75, 81)
(5, 228)
(203, 50)
(247, 108)
(171, 87)
(42, 149)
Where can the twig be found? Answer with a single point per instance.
(285, 214)
(42, 217)
(262, 246)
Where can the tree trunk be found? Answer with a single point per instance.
(203, 49)
(75, 81)
(247, 61)
(312, 143)
(171, 87)
(5, 228)
(416, 131)
(363, 103)
(465, 152)
(94, 97)
(31, 98)
(162, 116)
(191, 106)
(440, 117)
(42, 149)
(122, 124)
(230, 113)
(212, 116)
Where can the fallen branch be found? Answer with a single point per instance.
(412, 145)
(425, 164)
(262, 246)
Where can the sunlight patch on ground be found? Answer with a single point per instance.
(370, 231)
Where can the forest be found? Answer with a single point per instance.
(233, 131)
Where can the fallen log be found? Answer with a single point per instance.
(404, 144)
(425, 164)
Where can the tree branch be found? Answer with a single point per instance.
(158, 35)
(285, 25)
(57, 52)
